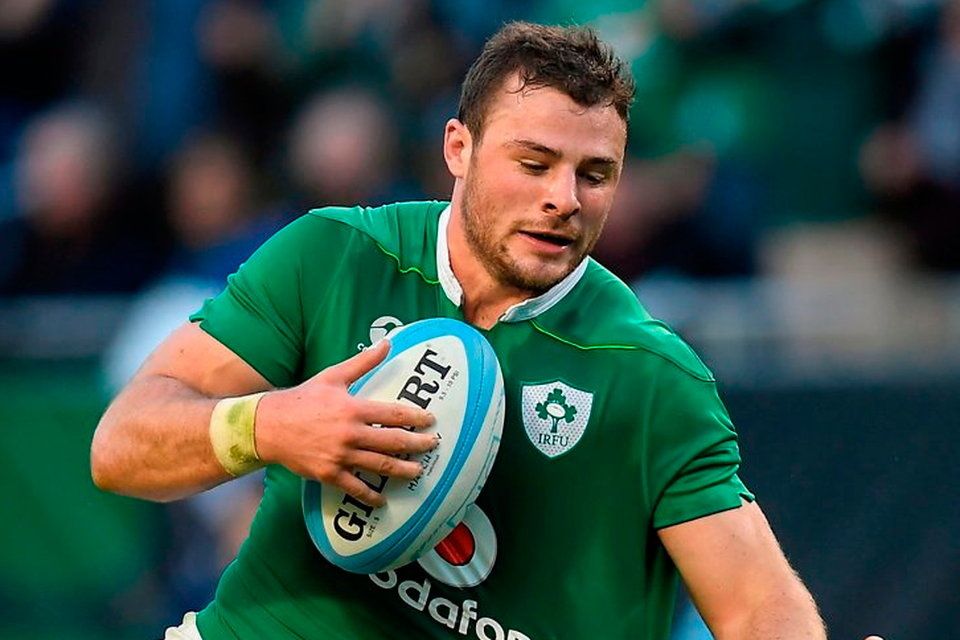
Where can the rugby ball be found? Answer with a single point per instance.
(448, 368)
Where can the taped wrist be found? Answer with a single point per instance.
(232, 434)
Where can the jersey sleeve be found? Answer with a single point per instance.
(694, 457)
(259, 315)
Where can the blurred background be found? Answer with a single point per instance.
(791, 206)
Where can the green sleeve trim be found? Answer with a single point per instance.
(626, 347)
(400, 267)
(728, 503)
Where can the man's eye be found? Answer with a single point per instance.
(533, 167)
(595, 178)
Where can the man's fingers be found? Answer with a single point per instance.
(355, 487)
(354, 368)
(394, 440)
(384, 465)
(394, 414)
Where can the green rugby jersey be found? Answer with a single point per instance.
(613, 430)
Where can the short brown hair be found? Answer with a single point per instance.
(570, 59)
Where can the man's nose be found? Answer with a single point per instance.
(561, 198)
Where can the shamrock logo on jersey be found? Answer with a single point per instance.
(555, 408)
(555, 415)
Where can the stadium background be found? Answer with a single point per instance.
(791, 207)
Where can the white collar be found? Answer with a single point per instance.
(529, 308)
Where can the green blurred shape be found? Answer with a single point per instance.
(73, 560)
(729, 105)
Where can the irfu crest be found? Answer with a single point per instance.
(555, 408)
(555, 416)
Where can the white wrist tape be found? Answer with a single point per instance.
(232, 434)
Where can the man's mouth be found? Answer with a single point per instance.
(556, 239)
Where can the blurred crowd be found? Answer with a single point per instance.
(140, 138)
(148, 146)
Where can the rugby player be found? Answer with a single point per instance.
(617, 472)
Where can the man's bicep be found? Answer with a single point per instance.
(730, 562)
(197, 359)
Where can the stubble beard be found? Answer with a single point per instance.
(493, 255)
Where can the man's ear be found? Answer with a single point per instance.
(457, 147)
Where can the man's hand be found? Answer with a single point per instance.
(319, 431)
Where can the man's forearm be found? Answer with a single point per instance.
(153, 442)
(161, 439)
(740, 579)
(790, 614)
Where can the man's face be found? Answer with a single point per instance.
(539, 185)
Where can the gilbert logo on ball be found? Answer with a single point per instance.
(448, 368)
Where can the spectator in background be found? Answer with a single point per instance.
(214, 208)
(69, 237)
(39, 40)
(211, 211)
(363, 40)
(216, 214)
(239, 41)
(659, 200)
(342, 148)
(912, 166)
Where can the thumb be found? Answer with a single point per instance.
(353, 368)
